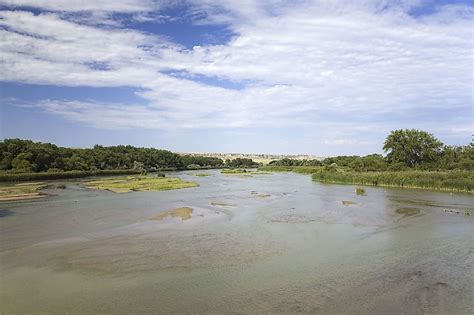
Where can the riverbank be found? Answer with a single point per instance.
(462, 181)
(25, 177)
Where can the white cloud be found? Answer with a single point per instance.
(84, 5)
(335, 65)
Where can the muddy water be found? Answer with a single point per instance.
(262, 244)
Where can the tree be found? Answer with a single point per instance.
(412, 147)
(21, 162)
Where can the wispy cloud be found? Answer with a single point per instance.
(306, 63)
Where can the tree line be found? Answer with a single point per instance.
(25, 156)
(406, 149)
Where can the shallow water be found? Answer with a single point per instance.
(267, 243)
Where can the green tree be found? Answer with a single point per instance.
(412, 147)
(21, 162)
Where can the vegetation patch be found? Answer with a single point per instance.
(234, 171)
(202, 174)
(360, 191)
(243, 172)
(407, 211)
(296, 169)
(21, 191)
(348, 202)
(221, 204)
(448, 180)
(184, 213)
(140, 183)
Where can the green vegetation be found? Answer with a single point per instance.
(234, 171)
(448, 180)
(23, 160)
(10, 192)
(241, 163)
(297, 169)
(239, 171)
(202, 174)
(360, 191)
(24, 156)
(293, 162)
(412, 147)
(13, 177)
(414, 159)
(139, 183)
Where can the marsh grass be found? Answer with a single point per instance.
(234, 171)
(296, 169)
(12, 177)
(360, 191)
(450, 181)
(140, 183)
(202, 174)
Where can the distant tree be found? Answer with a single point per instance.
(21, 163)
(241, 162)
(412, 147)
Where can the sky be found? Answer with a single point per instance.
(319, 77)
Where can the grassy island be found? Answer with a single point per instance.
(139, 183)
(11, 192)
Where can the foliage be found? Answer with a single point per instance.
(25, 156)
(296, 169)
(139, 183)
(241, 163)
(9, 177)
(294, 162)
(412, 147)
(447, 180)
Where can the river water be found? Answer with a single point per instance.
(271, 243)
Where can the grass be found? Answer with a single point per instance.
(239, 171)
(234, 171)
(139, 183)
(11, 192)
(360, 191)
(462, 181)
(450, 180)
(12, 177)
(202, 174)
(296, 169)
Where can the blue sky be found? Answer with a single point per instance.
(309, 76)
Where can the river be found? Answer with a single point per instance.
(270, 243)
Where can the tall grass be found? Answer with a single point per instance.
(451, 180)
(296, 169)
(11, 177)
